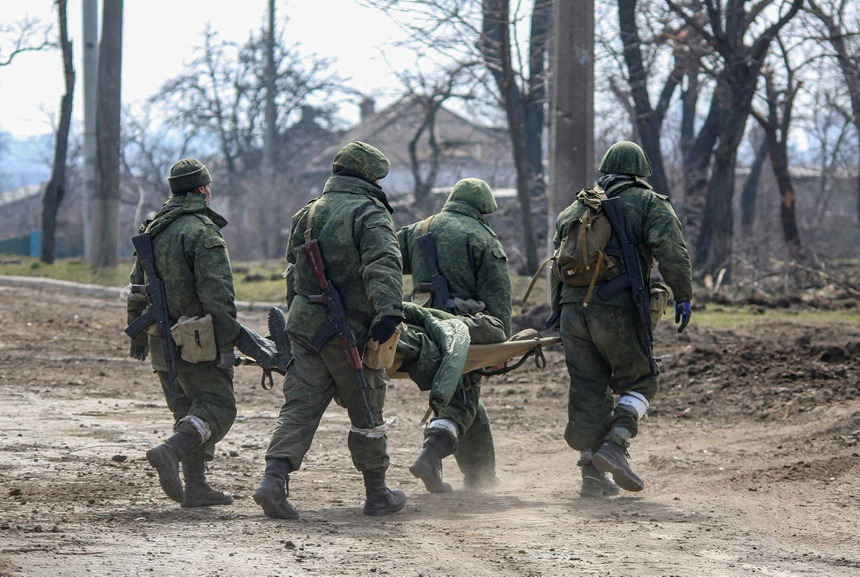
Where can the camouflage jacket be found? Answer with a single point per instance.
(469, 256)
(352, 222)
(653, 227)
(191, 259)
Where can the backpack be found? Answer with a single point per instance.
(580, 259)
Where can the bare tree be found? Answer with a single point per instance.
(28, 35)
(749, 193)
(56, 188)
(105, 228)
(742, 42)
(846, 46)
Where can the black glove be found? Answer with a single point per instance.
(138, 353)
(226, 358)
(382, 329)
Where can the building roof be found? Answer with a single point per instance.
(20, 193)
(392, 128)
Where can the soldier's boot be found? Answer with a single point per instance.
(198, 493)
(272, 491)
(277, 323)
(428, 464)
(612, 458)
(594, 482)
(380, 499)
(258, 348)
(165, 459)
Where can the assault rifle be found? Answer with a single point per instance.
(338, 321)
(156, 312)
(630, 259)
(438, 285)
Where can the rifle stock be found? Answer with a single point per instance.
(630, 257)
(438, 285)
(157, 311)
(337, 315)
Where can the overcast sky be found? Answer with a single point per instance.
(160, 35)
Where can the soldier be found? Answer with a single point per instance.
(605, 352)
(191, 259)
(352, 223)
(471, 259)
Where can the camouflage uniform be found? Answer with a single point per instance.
(352, 223)
(604, 352)
(191, 259)
(475, 265)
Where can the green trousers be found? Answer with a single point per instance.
(205, 392)
(605, 357)
(312, 381)
(475, 453)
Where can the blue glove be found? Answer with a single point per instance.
(683, 310)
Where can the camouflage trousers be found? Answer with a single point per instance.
(605, 357)
(205, 392)
(474, 450)
(312, 381)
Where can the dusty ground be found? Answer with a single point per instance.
(750, 457)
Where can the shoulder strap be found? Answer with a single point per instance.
(309, 219)
(425, 227)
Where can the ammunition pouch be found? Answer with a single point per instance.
(659, 295)
(195, 337)
(381, 355)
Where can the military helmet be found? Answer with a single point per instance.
(188, 174)
(475, 192)
(362, 160)
(625, 157)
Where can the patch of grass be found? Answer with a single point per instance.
(74, 270)
(733, 317)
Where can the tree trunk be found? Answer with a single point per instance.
(496, 49)
(269, 213)
(749, 194)
(107, 182)
(90, 89)
(648, 121)
(56, 188)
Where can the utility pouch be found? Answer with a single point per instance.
(196, 338)
(381, 355)
(659, 295)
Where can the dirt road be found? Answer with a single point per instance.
(751, 457)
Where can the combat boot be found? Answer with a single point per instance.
(612, 458)
(198, 493)
(165, 459)
(428, 464)
(272, 491)
(380, 499)
(595, 483)
(258, 348)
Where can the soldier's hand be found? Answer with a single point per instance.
(226, 358)
(382, 329)
(138, 353)
(683, 310)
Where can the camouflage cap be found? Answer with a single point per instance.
(362, 160)
(625, 157)
(188, 174)
(475, 192)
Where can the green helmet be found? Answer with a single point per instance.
(475, 192)
(362, 160)
(625, 157)
(188, 174)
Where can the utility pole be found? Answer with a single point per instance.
(105, 229)
(91, 59)
(268, 197)
(571, 103)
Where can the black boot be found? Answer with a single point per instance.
(611, 458)
(277, 323)
(272, 491)
(380, 499)
(595, 483)
(428, 464)
(198, 493)
(165, 458)
(258, 348)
